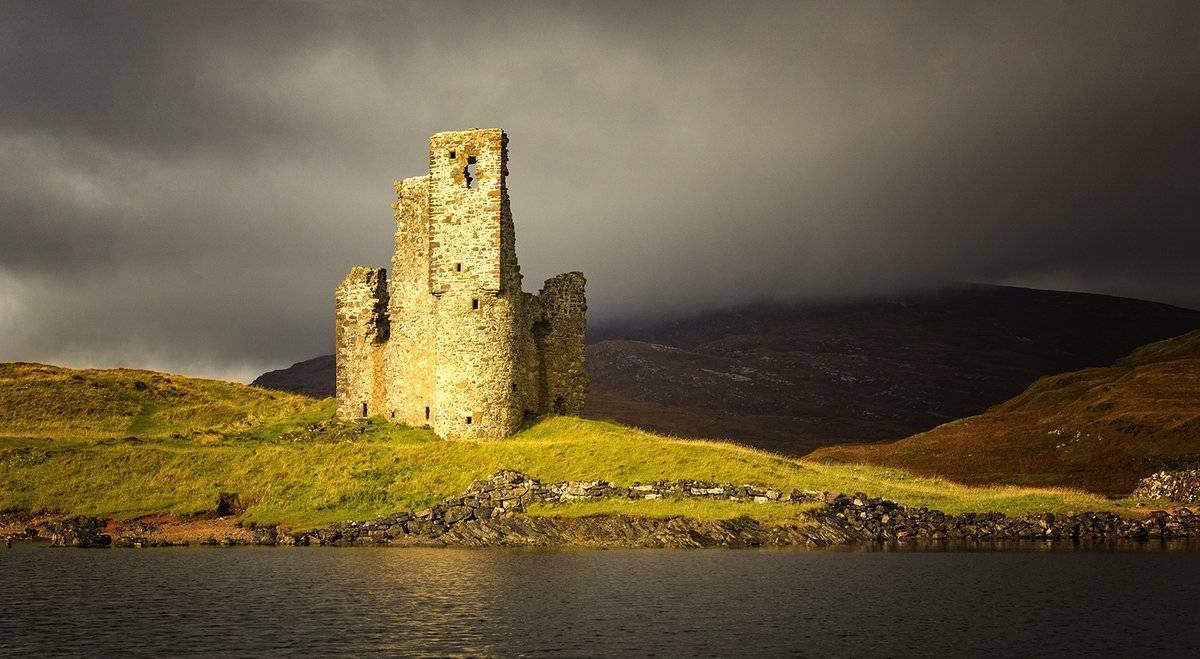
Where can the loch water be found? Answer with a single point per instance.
(364, 601)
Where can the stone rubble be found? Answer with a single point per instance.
(1180, 485)
(845, 519)
(490, 513)
(873, 519)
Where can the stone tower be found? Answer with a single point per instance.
(451, 341)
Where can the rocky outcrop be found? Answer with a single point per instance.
(867, 519)
(1181, 485)
(489, 513)
(638, 531)
(79, 531)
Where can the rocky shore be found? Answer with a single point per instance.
(493, 513)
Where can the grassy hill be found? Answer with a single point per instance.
(1099, 428)
(37, 400)
(123, 443)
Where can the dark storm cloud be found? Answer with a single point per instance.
(183, 184)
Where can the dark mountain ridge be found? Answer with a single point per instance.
(794, 377)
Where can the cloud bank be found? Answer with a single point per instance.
(183, 185)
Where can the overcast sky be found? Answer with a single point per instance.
(183, 185)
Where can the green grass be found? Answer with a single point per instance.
(37, 400)
(101, 444)
(338, 473)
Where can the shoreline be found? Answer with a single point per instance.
(496, 513)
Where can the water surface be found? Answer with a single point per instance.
(251, 601)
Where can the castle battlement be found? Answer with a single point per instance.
(450, 340)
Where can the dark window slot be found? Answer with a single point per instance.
(469, 172)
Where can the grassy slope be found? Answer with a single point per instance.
(1094, 428)
(37, 400)
(65, 445)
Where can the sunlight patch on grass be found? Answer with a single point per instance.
(293, 463)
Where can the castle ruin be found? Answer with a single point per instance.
(451, 341)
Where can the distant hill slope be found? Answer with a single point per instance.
(792, 378)
(1099, 428)
(38, 400)
(312, 377)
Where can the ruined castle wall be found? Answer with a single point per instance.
(477, 314)
(451, 341)
(564, 309)
(412, 348)
(362, 330)
(530, 378)
(475, 390)
(464, 212)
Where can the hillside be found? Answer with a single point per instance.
(311, 377)
(792, 378)
(292, 462)
(1098, 428)
(38, 400)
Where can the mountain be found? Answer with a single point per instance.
(794, 377)
(791, 378)
(311, 377)
(1099, 429)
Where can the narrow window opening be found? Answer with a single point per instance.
(458, 267)
(453, 154)
(426, 413)
(468, 421)
(469, 172)
(514, 386)
(364, 410)
(475, 303)
(393, 414)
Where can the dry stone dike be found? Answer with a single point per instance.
(491, 513)
(1181, 485)
(450, 341)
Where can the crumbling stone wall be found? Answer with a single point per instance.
(451, 341)
(362, 330)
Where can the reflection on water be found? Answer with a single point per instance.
(444, 601)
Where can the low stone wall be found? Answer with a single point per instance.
(489, 513)
(844, 519)
(1180, 485)
(510, 492)
(882, 520)
(682, 489)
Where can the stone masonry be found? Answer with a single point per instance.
(451, 341)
